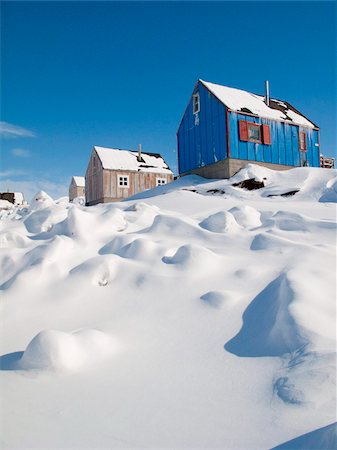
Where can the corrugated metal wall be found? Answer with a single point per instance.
(284, 148)
(202, 137)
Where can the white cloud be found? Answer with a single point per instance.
(21, 152)
(8, 130)
(30, 187)
(11, 173)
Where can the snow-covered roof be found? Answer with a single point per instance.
(79, 181)
(243, 101)
(116, 159)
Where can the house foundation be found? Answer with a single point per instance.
(229, 167)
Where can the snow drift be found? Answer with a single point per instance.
(222, 299)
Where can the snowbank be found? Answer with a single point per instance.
(222, 299)
(57, 350)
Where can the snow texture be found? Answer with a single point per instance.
(196, 315)
(243, 101)
(79, 181)
(115, 159)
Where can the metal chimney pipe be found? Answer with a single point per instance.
(266, 93)
(139, 152)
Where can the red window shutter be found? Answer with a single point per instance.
(243, 130)
(266, 134)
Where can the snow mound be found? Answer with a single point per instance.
(213, 298)
(267, 241)
(193, 257)
(40, 200)
(246, 216)
(139, 249)
(269, 328)
(171, 226)
(59, 351)
(221, 222)
(99, 270)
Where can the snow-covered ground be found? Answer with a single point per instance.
(196, 315)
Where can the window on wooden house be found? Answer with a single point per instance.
(123, 181)
(160, 181)
(196, 103)
(254, 132)
(302, 141)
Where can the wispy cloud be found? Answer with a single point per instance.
(8, 130)
(21, 152)
(11, 173)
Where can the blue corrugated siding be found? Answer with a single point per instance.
(206, 143)
(284, 148)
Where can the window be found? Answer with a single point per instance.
(160, 181)
(123, 181)
(254, 132)
(302, 141)
(196, 103)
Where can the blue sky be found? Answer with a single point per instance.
(78, 74)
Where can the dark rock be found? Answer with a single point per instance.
(250, 184)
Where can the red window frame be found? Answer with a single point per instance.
(244, 126)
(302, 141)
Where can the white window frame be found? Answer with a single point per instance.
(123, 178)
(161, 181)
(196, 103)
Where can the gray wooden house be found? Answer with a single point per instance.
(76, 188)
(113, 174)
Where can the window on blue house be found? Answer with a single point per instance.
(302, 140)
(196, 103)
(254, 132)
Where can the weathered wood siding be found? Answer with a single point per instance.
(75, 191)
(138, 182)
(102, 185)
(94, 180)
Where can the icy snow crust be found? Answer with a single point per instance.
(197, 315)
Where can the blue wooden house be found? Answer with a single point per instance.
(224, 128)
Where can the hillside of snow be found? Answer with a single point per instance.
(196, 315)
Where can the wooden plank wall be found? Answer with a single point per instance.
(94, 179)
(76, 191)
(138, 182)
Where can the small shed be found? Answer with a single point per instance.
(224, 128)
(76, 187)
(114, 174)
(13, 197)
